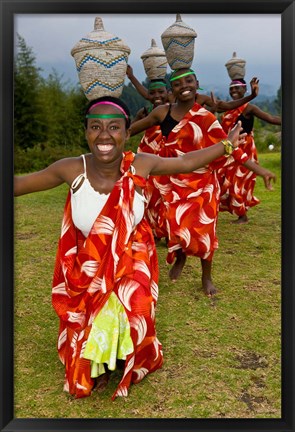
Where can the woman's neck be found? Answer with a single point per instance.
(181, 108)
(110, 170)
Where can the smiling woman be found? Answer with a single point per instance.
(190, 202)
(105, 284)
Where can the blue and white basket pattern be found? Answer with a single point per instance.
(236, 67)
(178, 41)
(101, 62)
(154, 62)
(179, 51)
(155, 68)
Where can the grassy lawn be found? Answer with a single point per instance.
(222, 356)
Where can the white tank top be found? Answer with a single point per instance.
(87, 203)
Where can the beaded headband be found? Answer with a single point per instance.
(237, 83)
(105, 116)
(156, 84)
(190, 72)
(124, 115)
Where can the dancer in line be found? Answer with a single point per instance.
(237, 182)
(105, 284)
(191, 200)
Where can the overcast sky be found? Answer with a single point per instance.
(255, 38)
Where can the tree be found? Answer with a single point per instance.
(29, 122)
(133, 99)
(278, 100)
(63, 112)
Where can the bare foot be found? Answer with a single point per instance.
(177, 267)
(102, 382)
(241, 220)
(208, 287)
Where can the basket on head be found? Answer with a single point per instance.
(154, 62)
(101, 61)
(236, 67)
(179, 43)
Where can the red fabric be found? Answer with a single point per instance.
(237, 182)
(115, 257)
(151, 143)
(191, 201)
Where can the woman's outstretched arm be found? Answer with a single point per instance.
(48, 178)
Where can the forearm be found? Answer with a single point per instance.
(139, 87)
(225, 146)
(143, 124)
(136, 127)
(267, 175)
(229, 105)
(276, 120)
(188, 162)
(199, 158)
(255, 167)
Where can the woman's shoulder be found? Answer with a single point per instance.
(159, 113)
(202, 99)
(71, 167)
(72, 161)
(249, 109)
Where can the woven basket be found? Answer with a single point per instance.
(179, 43)
(101, 61)
(236, 67)
(154, 62)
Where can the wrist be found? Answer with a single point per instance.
(228, 146)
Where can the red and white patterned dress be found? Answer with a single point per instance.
(116, 257)
(237, 182)
(191, 201)
(151, 143)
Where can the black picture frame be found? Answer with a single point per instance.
(287, 10)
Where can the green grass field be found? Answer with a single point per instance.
(222, 355)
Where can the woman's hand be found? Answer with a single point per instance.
(254, 86)
(236, 136)
(268, 176)
(129, 72)
(259, 170)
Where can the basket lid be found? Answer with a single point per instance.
(179, 28)
(99, 38)
(153, 51)
(235, 60)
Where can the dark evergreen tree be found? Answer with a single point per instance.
(133, 99)
(63, 112)
(29, 122)
(278, 101)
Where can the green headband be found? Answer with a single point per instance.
(156, 84)
(191, 72)
(105, 116)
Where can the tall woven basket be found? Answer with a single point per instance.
(179, 43)
(236, 67)
(154, 62)
(101, 61)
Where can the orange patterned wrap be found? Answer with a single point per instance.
(237, 182)
(191, 200)
(151, 143)
(116, 257)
